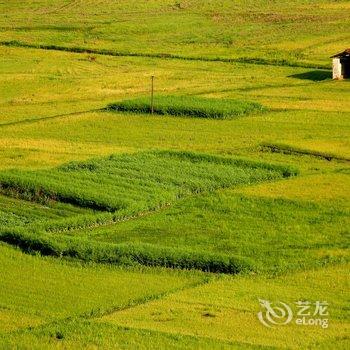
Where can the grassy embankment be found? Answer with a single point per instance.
(189, 106)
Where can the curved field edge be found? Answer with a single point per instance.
(196, 107)
(124, 254)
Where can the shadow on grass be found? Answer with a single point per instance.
(314, 75)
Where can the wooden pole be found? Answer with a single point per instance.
(152, 94)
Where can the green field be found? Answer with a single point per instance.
(122, 229)
(189, 107)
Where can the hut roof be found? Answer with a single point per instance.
(345, 53)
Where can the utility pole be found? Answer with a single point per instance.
(152, 94)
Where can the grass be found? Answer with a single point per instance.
(276, 234)
(286, 149)
(189, 106)
(40, 78)
(230, 231)
(137, 182)
(130, 186)
(86, 50)
(252, 30)
(232, 303)
(74, 289)
(324, 189)
(173, 317)
(79, 334)
(14, 212)
(287, 237)
(126, 254)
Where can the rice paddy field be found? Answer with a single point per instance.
(126, 229)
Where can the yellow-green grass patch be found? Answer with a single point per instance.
(316, 188)
(11, 320)
(239, 29)
(16, 212)
(89, 334)
(106, 131)
(43, 289)
(24, 153)
(227, 310)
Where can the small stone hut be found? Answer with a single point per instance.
(341, 65)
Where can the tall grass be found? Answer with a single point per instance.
(197, 107)
(124, 254)
(121, 187)
(135, 183)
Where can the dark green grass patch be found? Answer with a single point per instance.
(138, 182)
(124, 254)
(15, 212)
(189, 106)
(287, 149)
(122, 187)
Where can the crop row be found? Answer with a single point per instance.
(134, 183)
(124, 254)
(122, 187)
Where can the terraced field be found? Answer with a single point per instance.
(125, 229)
